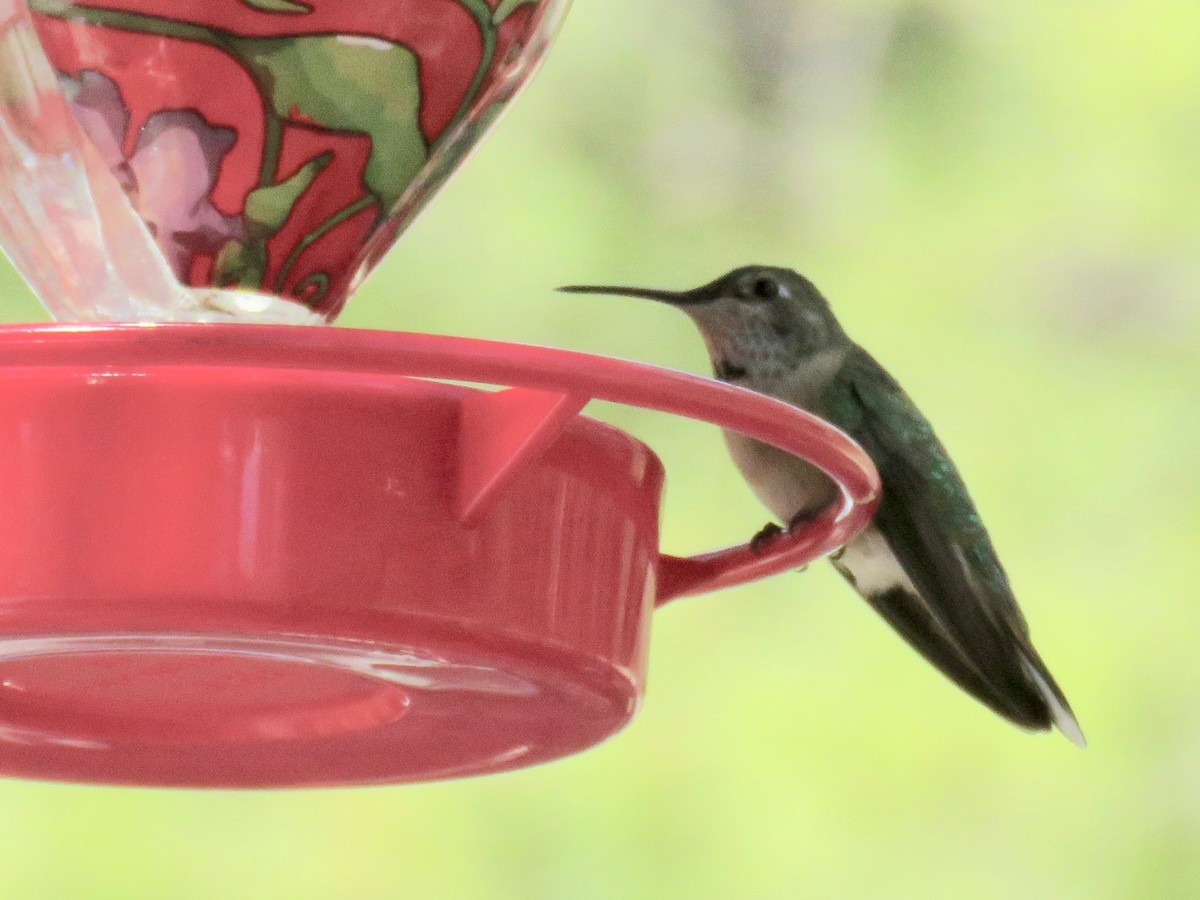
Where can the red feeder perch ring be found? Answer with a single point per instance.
(256, 556)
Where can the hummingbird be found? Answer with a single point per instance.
(925, 562)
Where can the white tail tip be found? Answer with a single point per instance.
(1064, 719)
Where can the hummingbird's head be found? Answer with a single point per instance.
(756, 320)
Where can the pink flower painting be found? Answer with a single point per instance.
(170, 172)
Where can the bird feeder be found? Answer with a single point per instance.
(246, 549)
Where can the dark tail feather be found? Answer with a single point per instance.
(1023, 692)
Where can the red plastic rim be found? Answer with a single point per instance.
(563, 372)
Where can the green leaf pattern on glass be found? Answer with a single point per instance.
(241, 264)
(267, 208)
(279, 6)
(344, 83)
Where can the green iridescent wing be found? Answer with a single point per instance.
(965, 620)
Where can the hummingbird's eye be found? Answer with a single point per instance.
(760, 287)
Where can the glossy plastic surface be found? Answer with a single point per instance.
(261, 556)
(272, 150)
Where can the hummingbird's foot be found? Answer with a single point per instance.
(770, 531)
(799, 520)
(802, 518)
(766, 534)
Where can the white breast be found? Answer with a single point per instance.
(785, 484)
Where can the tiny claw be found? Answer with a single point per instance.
(800, 519)
(766, 534)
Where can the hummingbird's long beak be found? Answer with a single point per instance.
(674, 298)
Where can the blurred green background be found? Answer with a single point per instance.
(1000, 200)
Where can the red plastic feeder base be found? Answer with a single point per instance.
(247, 556)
